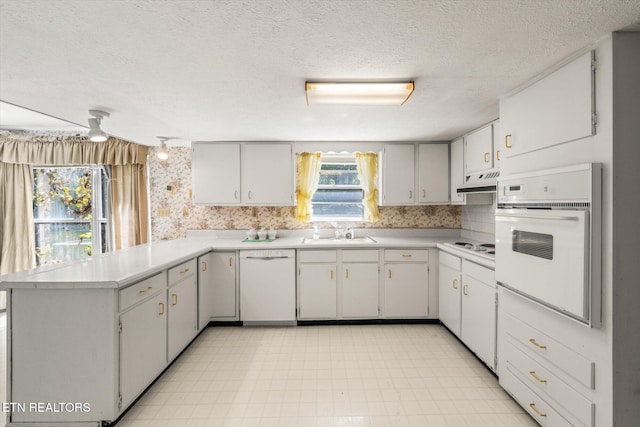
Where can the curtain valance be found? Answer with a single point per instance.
(70, 153)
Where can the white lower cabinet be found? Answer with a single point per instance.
(317, 291)
(478, 313)
(182, 321)
(467, 304)
(360, 287)
(547, 363)
(449, 286)
(143, 340)
(338, 284)
(217, 288)
(406, 284)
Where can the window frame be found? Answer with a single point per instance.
(338, 159)
(100, 214)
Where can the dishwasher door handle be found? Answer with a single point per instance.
(267, 258)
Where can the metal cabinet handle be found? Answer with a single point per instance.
(410, 194)
(175, 299)
(204, 265)
(465, 290)
(331, 274)
(186, 270)
(347, 273)
(506, 141)
(486, 157)
(536, 410)
(424, 193)
(536, 377)
(389, 273)
(498, 155)
(455, 283)
(406, 255)
(235, 194)
(533, 341)
(250, 194)
(144, 291)
(230, 261)
(162, 308)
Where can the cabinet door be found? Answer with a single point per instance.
(406, 290)
(267, 174)
(497, 149)
(182, 305)
(398, 175)
(456, 171)
(478, 150)
(317, 291)
(215, 174)
(557, 108)
(360, 290)
(449, 297)
(478, 328)
(217, 291)
(143, 343)
(433, 173)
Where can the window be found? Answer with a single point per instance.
(339, 194)
(70, 210)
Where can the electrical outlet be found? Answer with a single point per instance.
(169, 189)
(185, 211)
(254, 212)
(163, 212)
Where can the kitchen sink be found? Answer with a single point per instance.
(334, 241)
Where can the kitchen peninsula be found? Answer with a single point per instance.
(98, 332)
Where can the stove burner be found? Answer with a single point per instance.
(491, 252)
(462, 243)
(488, 245)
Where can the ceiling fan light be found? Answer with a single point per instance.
(163, 153)
(362, 93)
(95, 133)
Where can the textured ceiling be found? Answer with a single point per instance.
(235, 70)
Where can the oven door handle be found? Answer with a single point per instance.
(543, 217)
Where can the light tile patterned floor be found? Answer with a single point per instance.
(347, 376)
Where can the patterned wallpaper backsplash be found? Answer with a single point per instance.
(172, 212)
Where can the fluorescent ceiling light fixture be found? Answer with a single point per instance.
(95, 133)
(319, 93)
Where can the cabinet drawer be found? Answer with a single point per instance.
(540, 410)
(317, 256)
(141, 290)
(182, 271)
(360, 255)
(541, 345)
(449, 260)
(407, 255)
(537, 377)
(483, 274)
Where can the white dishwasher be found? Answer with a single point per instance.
(268, 285)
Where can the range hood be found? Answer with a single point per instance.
(481, 182)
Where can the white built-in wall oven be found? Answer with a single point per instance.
(548, 239)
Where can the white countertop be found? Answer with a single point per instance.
(125, 267)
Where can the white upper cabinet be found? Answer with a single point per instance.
(497, 148)
(456, 172)
(557, 108)
(267, 174)
(216, 174)
(398, 175)
(478, 150)
(433, 173)
(266, 171)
